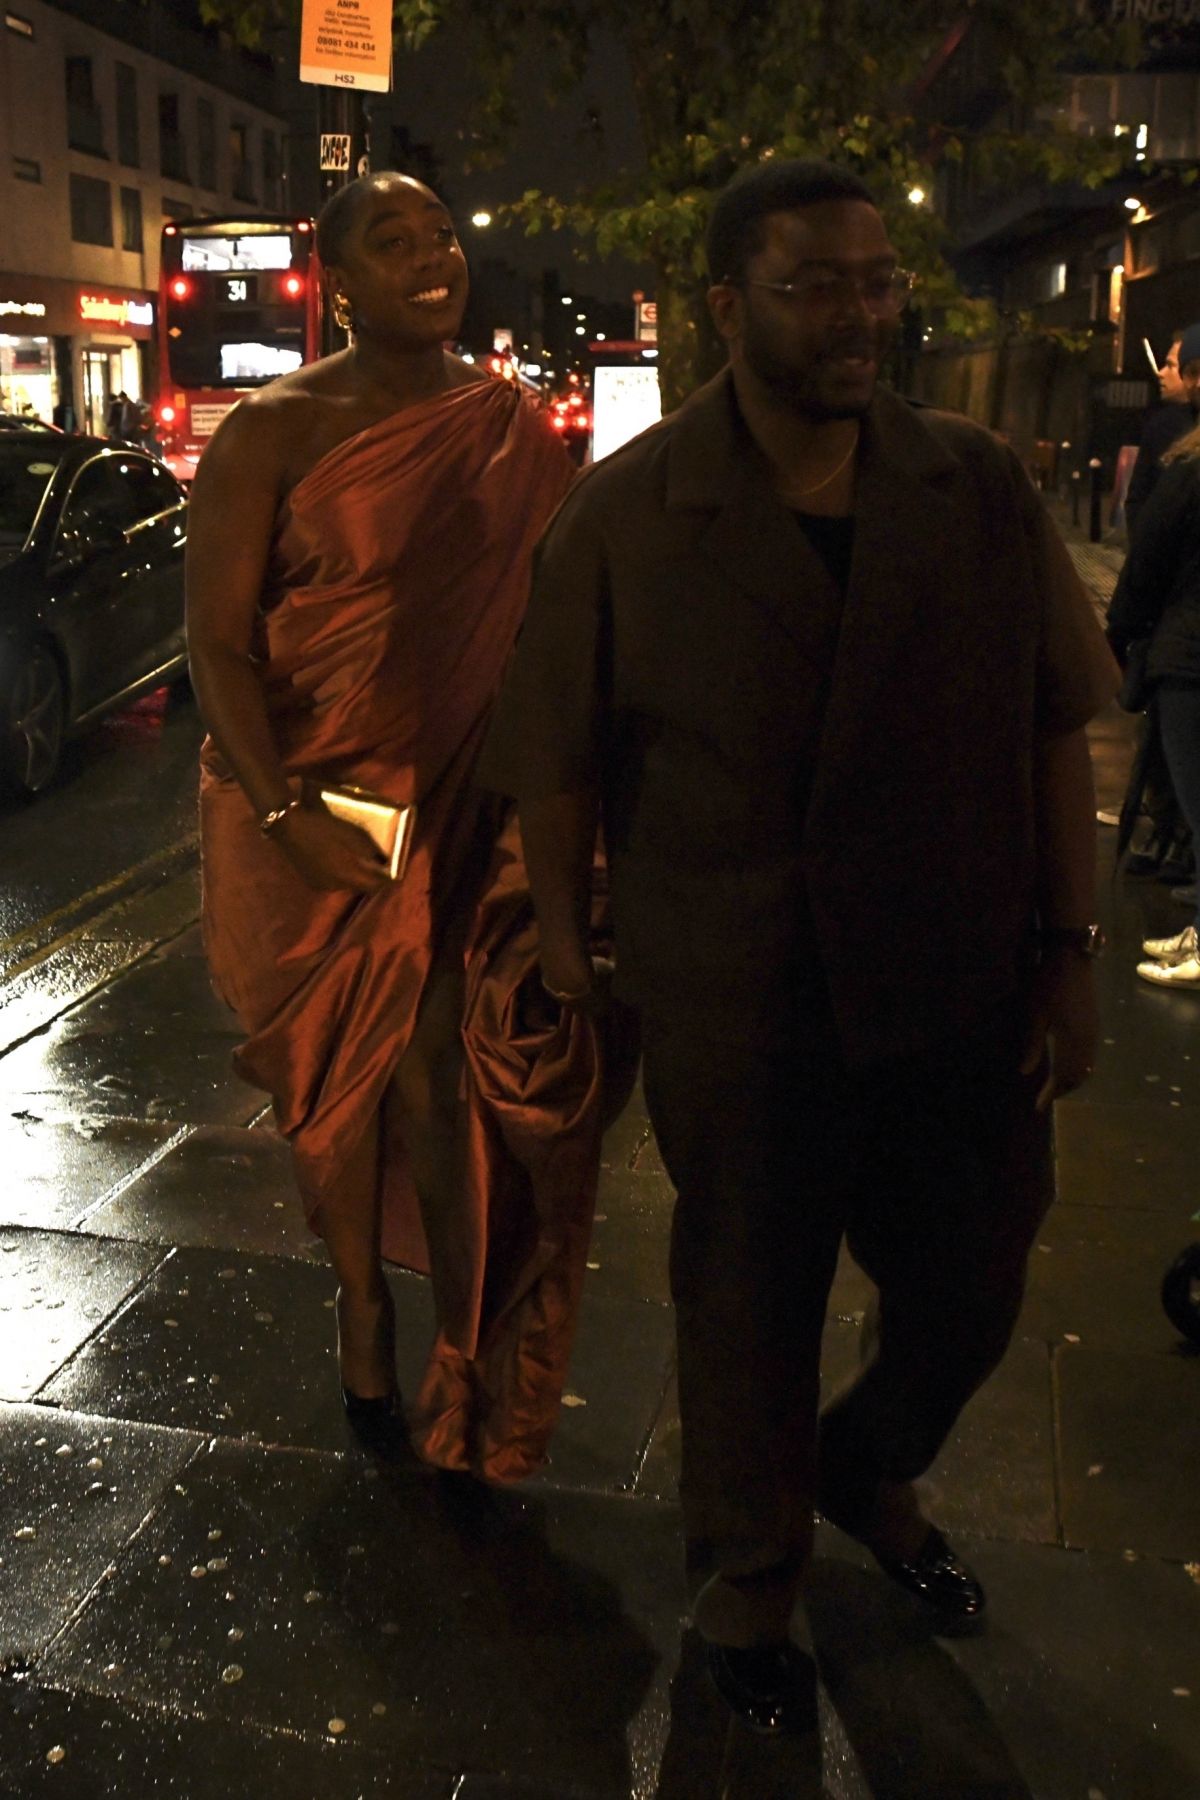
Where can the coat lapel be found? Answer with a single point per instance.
(750, 538)
(906, 526)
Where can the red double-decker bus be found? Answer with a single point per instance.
(239, 303)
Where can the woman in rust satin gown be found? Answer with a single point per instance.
(360, 536)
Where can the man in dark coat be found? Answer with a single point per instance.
(825, 666)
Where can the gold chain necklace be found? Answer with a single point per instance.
(803, 493)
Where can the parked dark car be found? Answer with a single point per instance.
(23, 422)
(91, 591)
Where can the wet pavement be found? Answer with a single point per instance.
(207, 1590)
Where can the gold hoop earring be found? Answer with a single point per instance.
(343, 313)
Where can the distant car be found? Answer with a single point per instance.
(24, 422)
(91, 591)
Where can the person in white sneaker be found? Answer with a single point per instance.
(1158, 596)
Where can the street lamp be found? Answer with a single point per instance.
(481, 219)
(916, 196)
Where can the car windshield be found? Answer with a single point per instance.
(26, 470)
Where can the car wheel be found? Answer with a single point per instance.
(32, 723)
(1181, 1293)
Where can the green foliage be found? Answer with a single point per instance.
(721, 83)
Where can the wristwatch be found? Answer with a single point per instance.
(1088, 940)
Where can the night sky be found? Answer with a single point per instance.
(554, 148)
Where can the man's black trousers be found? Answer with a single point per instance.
(935, 1168)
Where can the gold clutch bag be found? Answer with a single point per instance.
(389, 827)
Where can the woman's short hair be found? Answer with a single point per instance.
(736, 224)
(336, 219)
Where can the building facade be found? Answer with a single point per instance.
(113, 118)
(1085, 281)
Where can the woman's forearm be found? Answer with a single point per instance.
(232, 706)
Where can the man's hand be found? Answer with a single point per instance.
(1063, 1019)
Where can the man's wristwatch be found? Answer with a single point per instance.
(1088, 940)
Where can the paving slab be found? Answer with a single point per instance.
(92, 1064)
(223, 1342)
(31, 1000)
(1095, 1275)
(631, 1238)
(524, 1639)
(55, 1289)
(244, 1346)
(620, 1366)
(1132, 1153)
(226, 1187)
(995, 1476)
(169, 991)
(56, 1745)
(55, 1170)
(1129, 1428)
(73, 1491)
(1069, 1694)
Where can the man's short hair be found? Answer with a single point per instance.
(736, 225)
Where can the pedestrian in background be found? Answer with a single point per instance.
(1158, 599)
(116, 417)
(1166, 852)
(1164, 424)
(359, 543)
(824, 666)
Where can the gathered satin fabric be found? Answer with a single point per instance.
(397, 583)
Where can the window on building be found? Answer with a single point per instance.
(91, 210)
(85, 127)
(172, 148)
(129, 150)
(26, 169)
(239, 156)
(206, 144)
(18, 23)
(131, 219)
(1056, 280)
(177, 209)
(270, 168)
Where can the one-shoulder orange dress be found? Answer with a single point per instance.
(398, 580)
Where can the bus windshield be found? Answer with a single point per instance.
(226, 255)
(236, 302)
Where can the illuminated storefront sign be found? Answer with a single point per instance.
(101, 309)
(28, 309)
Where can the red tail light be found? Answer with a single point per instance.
(181, 288)
(166, 413)
(293, 285)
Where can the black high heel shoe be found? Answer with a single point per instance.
(378, 1424)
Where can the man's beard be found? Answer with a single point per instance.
(800, 389)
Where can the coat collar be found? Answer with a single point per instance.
(710, 446)
(715, 465)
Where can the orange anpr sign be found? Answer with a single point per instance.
(347, 43)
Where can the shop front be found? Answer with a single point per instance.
(69, 349)
(27, 381)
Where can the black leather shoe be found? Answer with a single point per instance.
(378, 1424)
(771, 1687)
(940, 1578)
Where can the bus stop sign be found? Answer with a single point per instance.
(335, 151)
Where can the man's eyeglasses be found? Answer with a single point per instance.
(882, 293)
